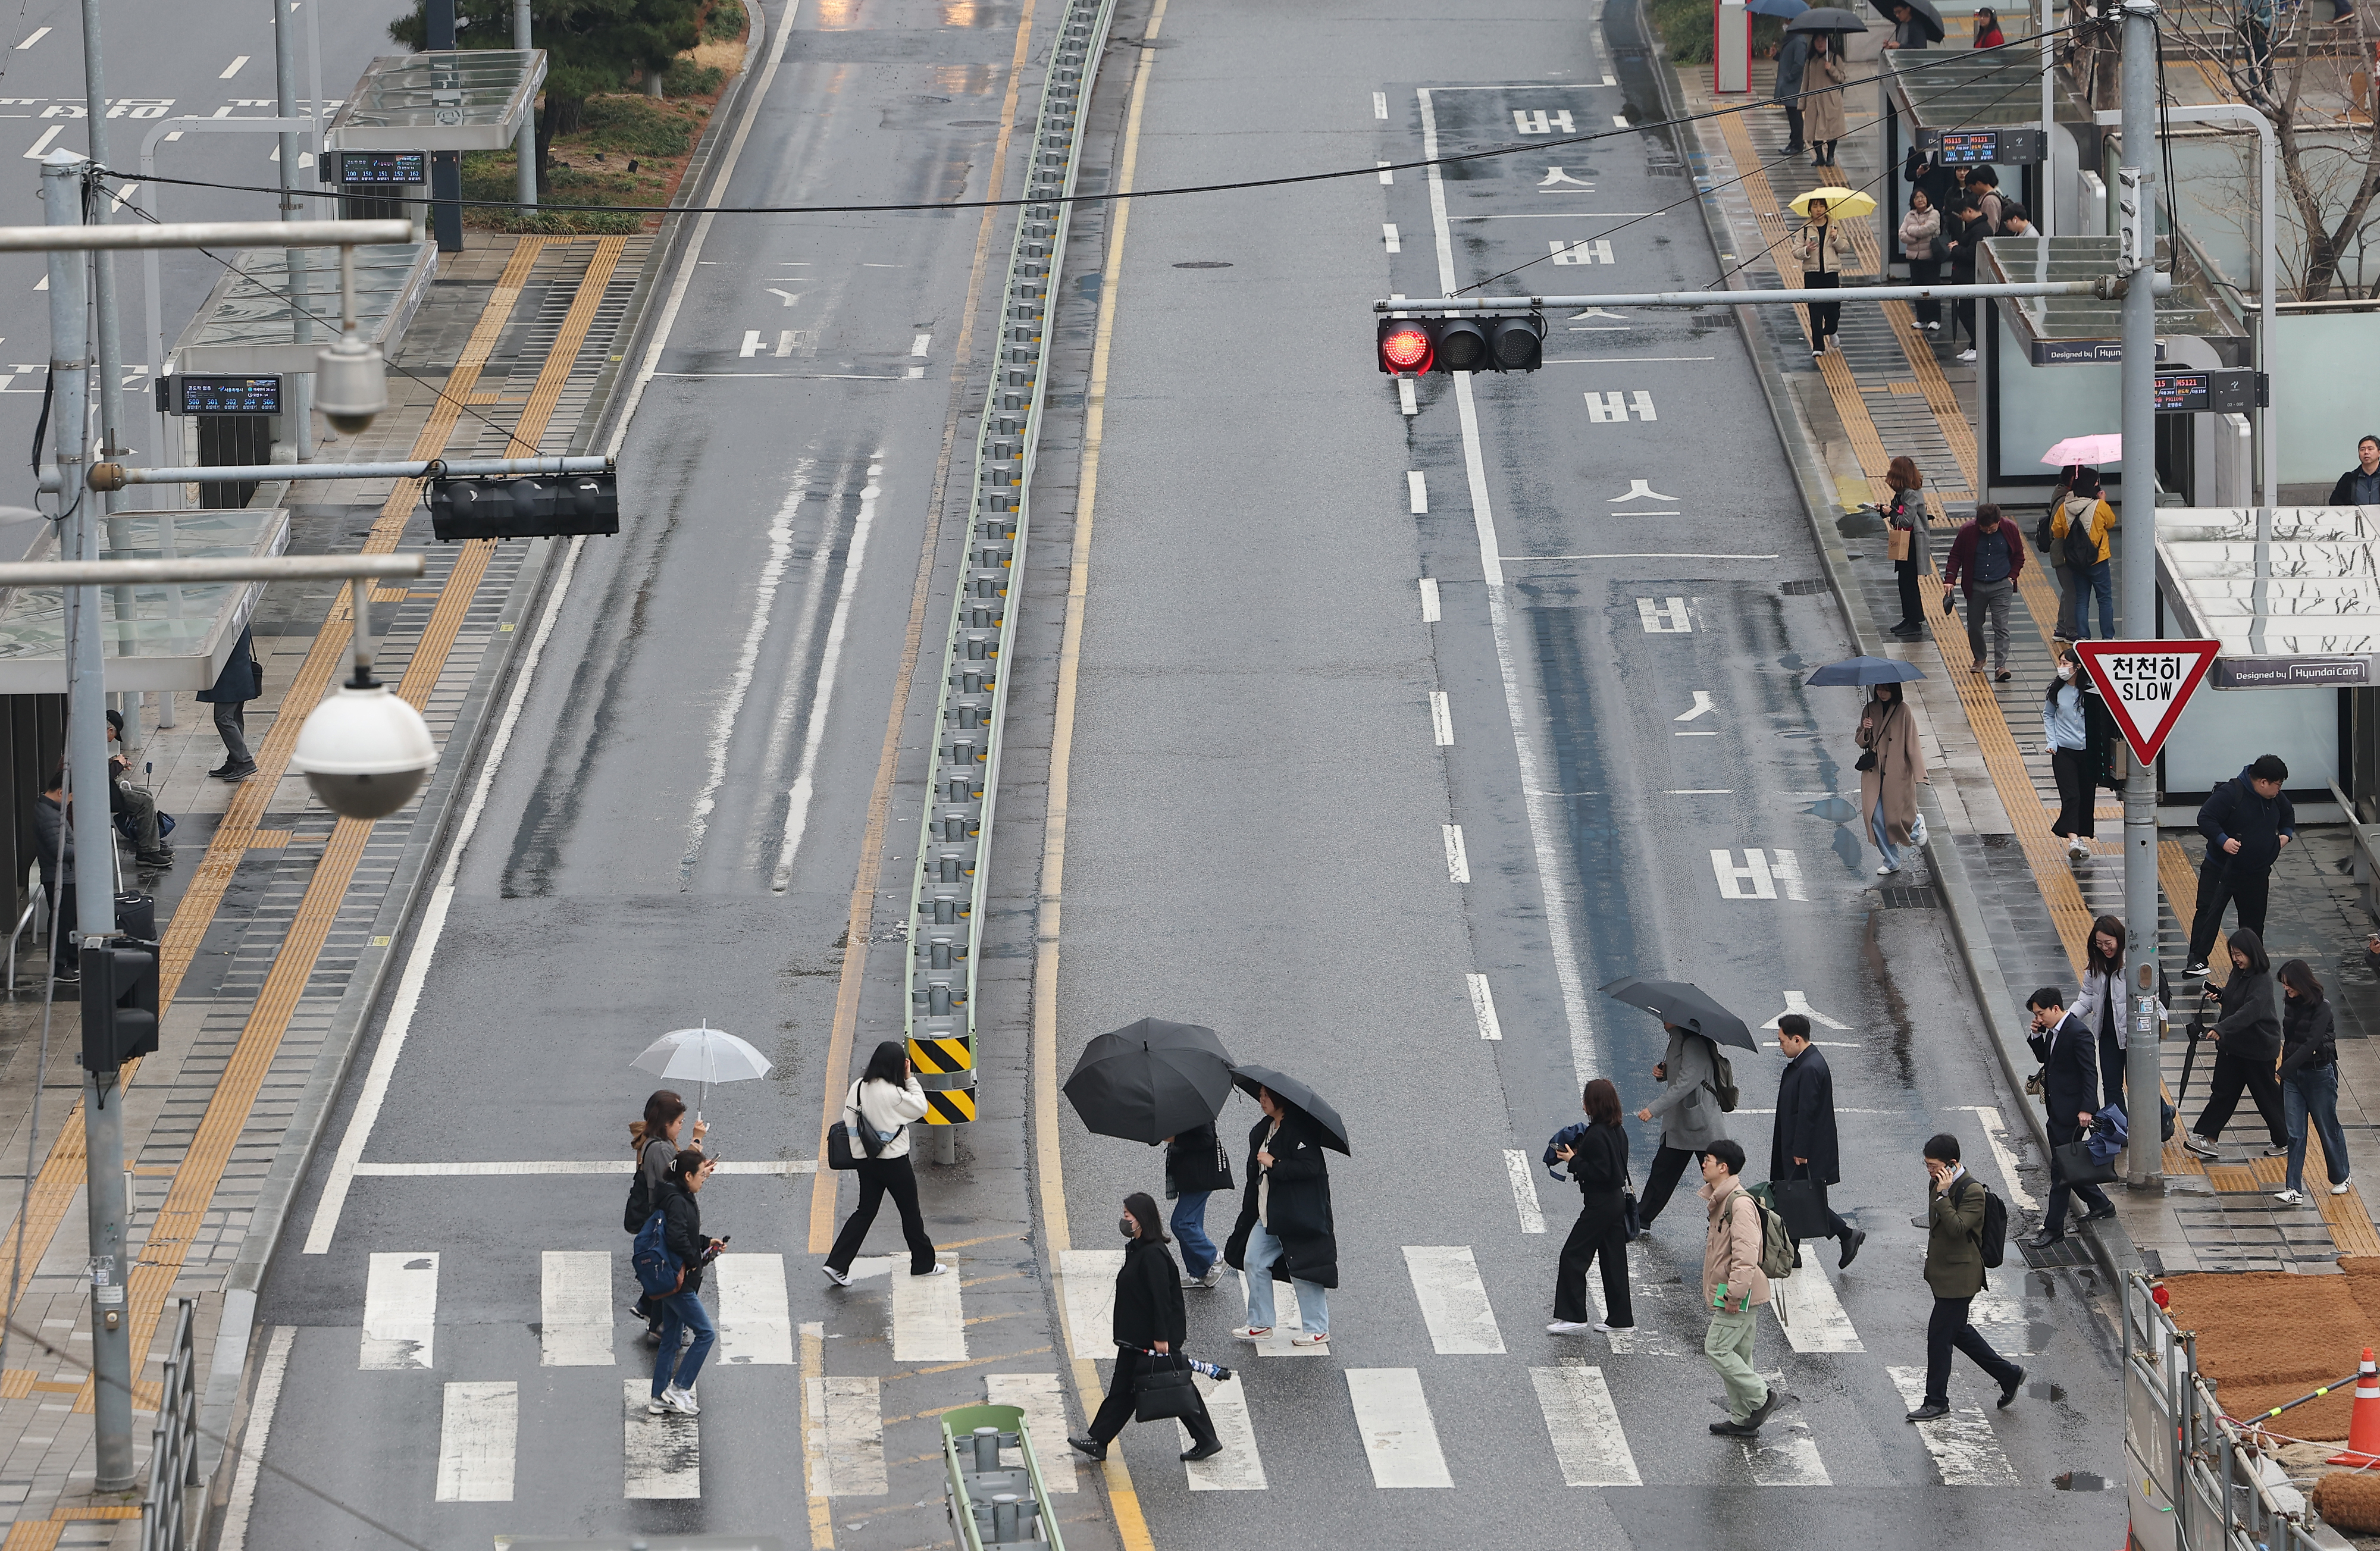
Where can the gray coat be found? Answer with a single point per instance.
(1688, 1110)
(1789, 60)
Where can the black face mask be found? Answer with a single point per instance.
(1128, 1227)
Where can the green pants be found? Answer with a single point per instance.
(1728, 1344)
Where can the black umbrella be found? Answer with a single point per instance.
(1150, 1080)
(1826, 18)
(1292, 1092)
(1927, 17)
(1674, 1001)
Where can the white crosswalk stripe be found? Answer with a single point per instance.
(1965, 1448)
(1044, 1405)
(664, 1453)
(1239, 1468)
(1786, 1455)
(756, 1323)
(1998, 1315)
(400, 1311)
(929, 1326)
(1650, 1301)
(1399, 1438)
(1087, 1279)
(847, 1417)
(575, 1309)
(476, 1435)
(1453, 1300)
(1585, 1426)
(1813, 1317)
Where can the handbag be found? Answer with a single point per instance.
(1802, 1205)
(839, 1152)
(2073, 1165)
(1867, 760)
(1632, 1226)
(1164, 1390)
(2034, 1083)
(1896, 542)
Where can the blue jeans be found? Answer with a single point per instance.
(681, 1312)
(2311, 1093)
(1881, 833)
(1313, 1301)
(1190, 1231)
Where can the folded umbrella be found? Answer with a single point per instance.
(1826, 18)
(1150, 1080)
(1674, 1001)
(1292, 1092)
(1863, 670)
(1927, 17)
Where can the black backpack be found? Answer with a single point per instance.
(2082, 550)
(1992, 1239)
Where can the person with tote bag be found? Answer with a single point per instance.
(876, 1113)
(1152, 1378)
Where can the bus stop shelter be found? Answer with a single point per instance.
(1952, 90)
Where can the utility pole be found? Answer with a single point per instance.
(2136, 191)
(94, 876)
(445, 166)
(525, 144)
(111, 350)
(298, 413)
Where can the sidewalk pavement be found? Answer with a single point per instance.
(2022, 908)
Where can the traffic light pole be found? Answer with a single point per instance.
(2106, 288)
(2138, 186)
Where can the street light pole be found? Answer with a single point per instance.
(2136, 184)
(94, 876)
(102, 278)
(298, 414)
(525, 143)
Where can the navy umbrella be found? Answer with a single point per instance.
(1865, 671)
(1150, 1080)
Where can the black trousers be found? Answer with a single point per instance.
(1668, 1162)
(1927, 271)
(1792, 128)
(1913, 604)
(2076, 795)
(2060, 1194)
(1825, 317)
(1948, 1327)
(2218, 887)
(1962, 312)
(1836, 1227)
(2112, 1071)
(1598, 1230)
(1116, 1410)
(880, 1177)
(2233, 1073)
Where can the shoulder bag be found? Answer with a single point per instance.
(1165, 1389)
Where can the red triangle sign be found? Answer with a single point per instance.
(2146, 683)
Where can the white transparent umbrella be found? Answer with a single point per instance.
(703, 1056)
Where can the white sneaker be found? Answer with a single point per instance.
(1917, 830)
(2290, 1197)
(1886, 872)
(2342, 1187)
(681, 1401)
(1570, 1328)
(1933, 328)
(840, 1278)
(937, 1271)
(1251, 1332)
(2078, 849)
(1306, 1338)
(1966, 355)
(657, 1406)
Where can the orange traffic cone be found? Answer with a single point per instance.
(2363, 1426)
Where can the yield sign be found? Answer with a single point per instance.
(2146, 683)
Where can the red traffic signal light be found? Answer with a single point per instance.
(1406, 346)
(1424, 344)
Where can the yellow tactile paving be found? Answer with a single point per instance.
(33, 1534)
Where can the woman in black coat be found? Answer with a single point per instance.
(1150, 1319)
(1196, 1167)
(2247, 1046)
(1285, 1227)
(1599, 1163)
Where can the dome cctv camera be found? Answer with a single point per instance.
(350, 384)
(365, 752)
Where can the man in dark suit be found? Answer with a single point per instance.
(1801, 1146)
(2069, 1080)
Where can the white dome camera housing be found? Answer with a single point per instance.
(365, 752)
(350, 384)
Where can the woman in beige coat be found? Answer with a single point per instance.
(1821, 251)
(1822, 109)
(1889, 769)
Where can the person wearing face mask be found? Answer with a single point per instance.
(1149, 1323)
(2064, 728)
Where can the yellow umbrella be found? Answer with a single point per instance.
(1841, 203)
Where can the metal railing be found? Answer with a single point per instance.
(2200, 1482)
(174, 1447)
(946, 896)
(988, 1502)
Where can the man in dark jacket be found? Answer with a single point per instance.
(1285, 1222)
(1802, 1144)
(1195, 1168)
(135, 803)
(54, 837)
(240, 681)
(1149, 1322)
(2069, 1053)
(1987, 558)
(1954, 1273)
(2246, 822)
(2359, 486)
(1793, 57)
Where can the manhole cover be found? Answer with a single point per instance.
(1204, 263)
(2068, 1251)
(1804, 589)
(1922, 897)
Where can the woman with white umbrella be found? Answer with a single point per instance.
(877, 1111)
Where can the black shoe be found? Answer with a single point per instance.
(1852, 1247)
(1734, 1430)
(1088, 1447)
(2100, 1214)
(2008, 1390)
(69, 977)
(1795, 149)
(1768, 1404)
(219, 769)
(153, 859)
(235, 772)
(1928, 1412)
(1207, 1451)
(2042, 1239)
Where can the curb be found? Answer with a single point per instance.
(2110, 1246)
(225, 1388)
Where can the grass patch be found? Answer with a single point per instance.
(629, 150)
(725, 22)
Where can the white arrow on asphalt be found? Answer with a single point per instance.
(791, 296)
(1702, 707)
(1598, 312)
(1638, 490)
(1795, 1002)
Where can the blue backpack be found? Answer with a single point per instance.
(658, 1270)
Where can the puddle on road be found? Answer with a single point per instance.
(1896, 1006)
(2079, 1481)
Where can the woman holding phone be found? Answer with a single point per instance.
(878, 1110)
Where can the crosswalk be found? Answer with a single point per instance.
(1388, 1410)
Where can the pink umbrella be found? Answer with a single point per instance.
(2105, 447)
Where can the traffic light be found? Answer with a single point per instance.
(1424, 344)
(119, 1005)
(536, 507)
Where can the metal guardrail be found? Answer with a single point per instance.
(946, 896)
(991, 1504)
(2198, 1481)
(174, 1447)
